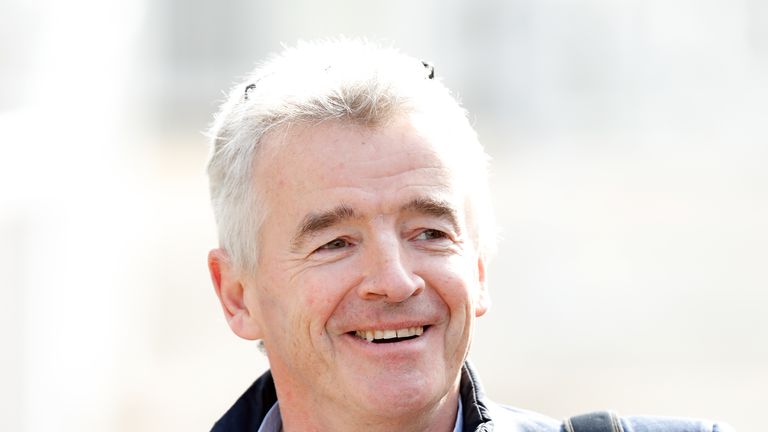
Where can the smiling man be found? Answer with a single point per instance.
(350, 192)
(351, 197)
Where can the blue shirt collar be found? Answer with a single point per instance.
(273, 422)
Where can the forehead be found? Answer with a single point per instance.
(339, 152)
(334, 162)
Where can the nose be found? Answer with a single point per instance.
(388, 273)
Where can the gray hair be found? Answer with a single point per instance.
(347, 80)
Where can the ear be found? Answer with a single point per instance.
(230, 289)
(483, 300)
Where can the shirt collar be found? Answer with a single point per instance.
(273, 422)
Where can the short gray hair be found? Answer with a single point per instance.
(339, 79)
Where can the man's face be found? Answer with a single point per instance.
(365, 238)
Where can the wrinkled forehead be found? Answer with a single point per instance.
(339, 155)
(450, 141)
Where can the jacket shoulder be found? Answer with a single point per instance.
(511, 419)
(250, 409)
(671, 424)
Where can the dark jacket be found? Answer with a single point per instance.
(479, 413)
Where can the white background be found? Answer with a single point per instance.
(630, 149)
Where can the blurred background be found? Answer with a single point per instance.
(630, 145)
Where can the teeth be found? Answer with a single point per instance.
(410, 331)
(371, 335)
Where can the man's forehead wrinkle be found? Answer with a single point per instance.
(315, 222)
(376, 173)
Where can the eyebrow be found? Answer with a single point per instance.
(316, 222)
(434, 207)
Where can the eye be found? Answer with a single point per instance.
(431, 234)
(335, 244)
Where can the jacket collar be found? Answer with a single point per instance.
(249, 411)
(477, 417)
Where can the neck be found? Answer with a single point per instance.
(298, 415)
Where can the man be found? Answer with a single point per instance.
(351, 198)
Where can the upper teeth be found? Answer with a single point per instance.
(371, 335)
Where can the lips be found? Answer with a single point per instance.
(390, 335)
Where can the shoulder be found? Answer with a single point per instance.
(671, 424)
(484, 415)
(506, 418)
(250, 409)
(607, 421)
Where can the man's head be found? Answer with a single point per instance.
(312, 83)
(351, 197)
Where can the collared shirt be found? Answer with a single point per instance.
(273, 422)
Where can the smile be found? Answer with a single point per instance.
(389, 336)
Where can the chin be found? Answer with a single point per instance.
(397, 394)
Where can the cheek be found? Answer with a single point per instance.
(455, 280)
(323, 288)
